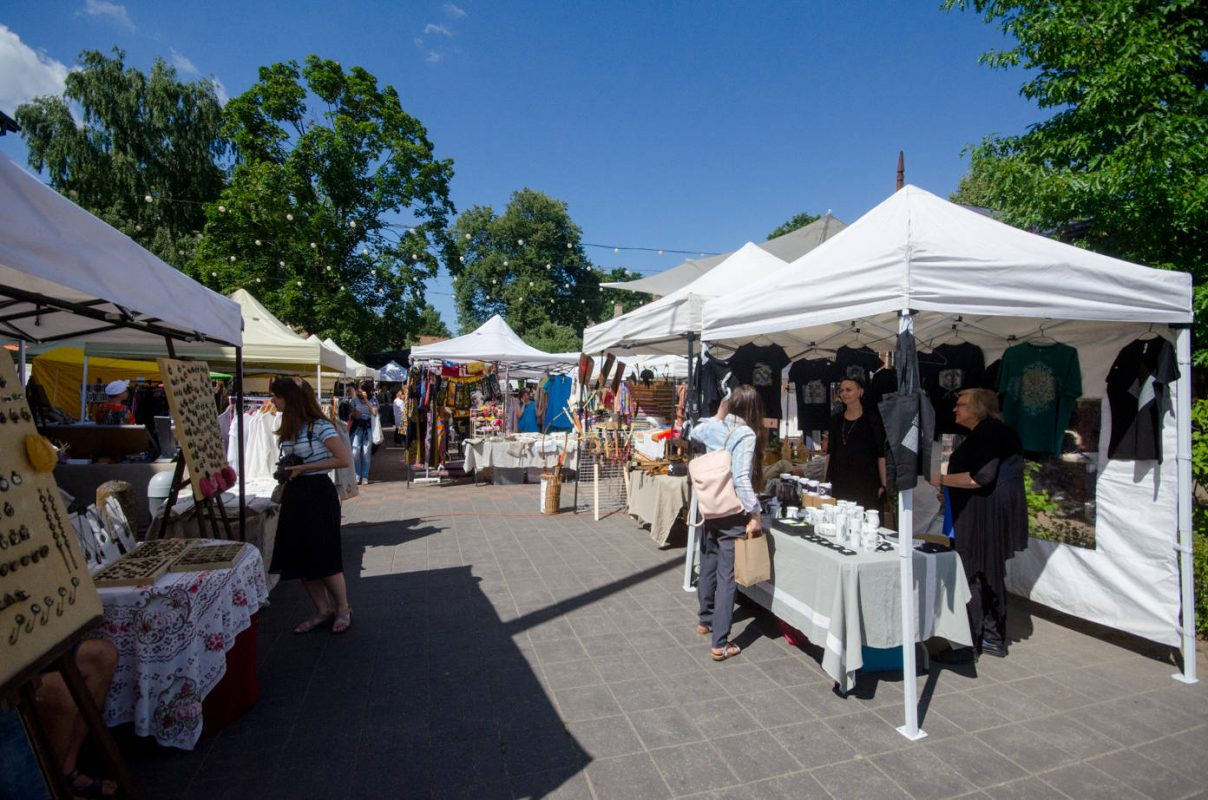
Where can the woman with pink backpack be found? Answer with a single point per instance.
(729, 513)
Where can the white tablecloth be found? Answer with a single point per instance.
(658, 501)
(172, 638)
(846, 602)
(519, 450)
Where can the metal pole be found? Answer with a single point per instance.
(910, 687)
(84, 391)
(239, 433)
(1186, 532)
(21, 362)
(691, 410)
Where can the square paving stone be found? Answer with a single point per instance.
(721, 717)
(867, 733)
(606, 737)
(621, 668)
(1145, 775)
(858, 780)
(691, 768)
(626, 778)
(541, 750)
(1023, 746)
(1025, 789)
(754, 756)
(1176, 753)
(557, 650)
(794, 786)
(813, 744)
(586, 702)
(639, 695)
(571, 674)
(553, 785)
(772, 707)
(665, 727)
(922, 775)
(975, 761)
(1084, 782)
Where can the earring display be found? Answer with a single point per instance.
(46, 594)
(191, 400)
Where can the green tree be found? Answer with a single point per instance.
(141, 136)
(609, 298)
(793, 223)
(526, 264)
(554, 338)
(337, 208)
(1119, 166)
(429, 324)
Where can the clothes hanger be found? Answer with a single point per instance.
(1042, 337)
(1149, 334)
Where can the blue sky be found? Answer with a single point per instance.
(686, 126)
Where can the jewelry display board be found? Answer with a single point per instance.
(204, 557)
(46, 594)
(191, 400)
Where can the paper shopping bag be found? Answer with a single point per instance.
(751, 561)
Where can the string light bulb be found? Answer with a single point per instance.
(341, 288)
(138, 228)
(280, 263)
(147, 198)
(364, 251)
(505, 262)
(314, 246)
(467, 237)
(352, 223)
(520, 242)
(568, 246)
(257, 280)
(462, 259)
(222, 209)
(258, 243)
(660, 252)
(329, 267)
(289, 217)
(616, 249)
(415, 256)
(547, 266)
(213, 274)
(299, 284)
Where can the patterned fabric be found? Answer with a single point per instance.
(172, 638)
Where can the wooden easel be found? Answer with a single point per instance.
(19, 692)
(220, 531)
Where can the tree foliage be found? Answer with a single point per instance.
(140, 135)
(325, 159)
(1119, 166)
(526, 264)
(429, 324)
(609, 298)
(793, 223)
(554, 338)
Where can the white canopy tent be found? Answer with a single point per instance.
(267, 343)
(663, 326)
(494, 341)
(788, 247)
(65, 274)
(917, 261)
(353, 367)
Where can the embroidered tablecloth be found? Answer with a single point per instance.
(172, 637)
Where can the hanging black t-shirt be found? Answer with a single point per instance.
(885, 382)
(1136, 391)
(761, 367)
(812, 379)
(713, 380)
(857, 362)
(945, 372)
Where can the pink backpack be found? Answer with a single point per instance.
(713, 483)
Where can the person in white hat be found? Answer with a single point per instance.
(115, 411)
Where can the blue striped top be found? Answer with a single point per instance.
(311, 446)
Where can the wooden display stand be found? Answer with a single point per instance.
(47, 599)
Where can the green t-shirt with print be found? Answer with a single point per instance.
(1039, 385)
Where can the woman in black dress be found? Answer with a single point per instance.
(985, 494)
(855, 468)
(308, 529)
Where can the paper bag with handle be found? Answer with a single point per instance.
(752, 563)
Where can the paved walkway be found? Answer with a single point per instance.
(496, 653)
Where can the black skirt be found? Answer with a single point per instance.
(308, 530)
(992, 526)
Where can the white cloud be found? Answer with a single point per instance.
(103, 8)
(220, 90)
(432, 57)
(183, 63)
(24, 73)
(433, 28)
(453, 11)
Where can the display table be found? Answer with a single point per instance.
(518, 451)
(846, 602)
(172, 639)
(658, 501)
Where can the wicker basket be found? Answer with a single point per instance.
(551, 492)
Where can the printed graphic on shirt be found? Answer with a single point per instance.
(1037, 388)
(856, 373)
(952, 380)
(814, 392)
(761, 375)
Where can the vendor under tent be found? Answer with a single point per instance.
(663, 327)
(919, 262)
(788, 247)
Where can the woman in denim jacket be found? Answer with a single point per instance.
(738, 427)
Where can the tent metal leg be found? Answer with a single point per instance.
(690, 556)
(1186, 533)
(910, 685)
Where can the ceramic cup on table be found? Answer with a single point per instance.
(790, 512)
(872, 517)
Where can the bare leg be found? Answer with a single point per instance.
(65, 727)
(317, 590)
(339, 591)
